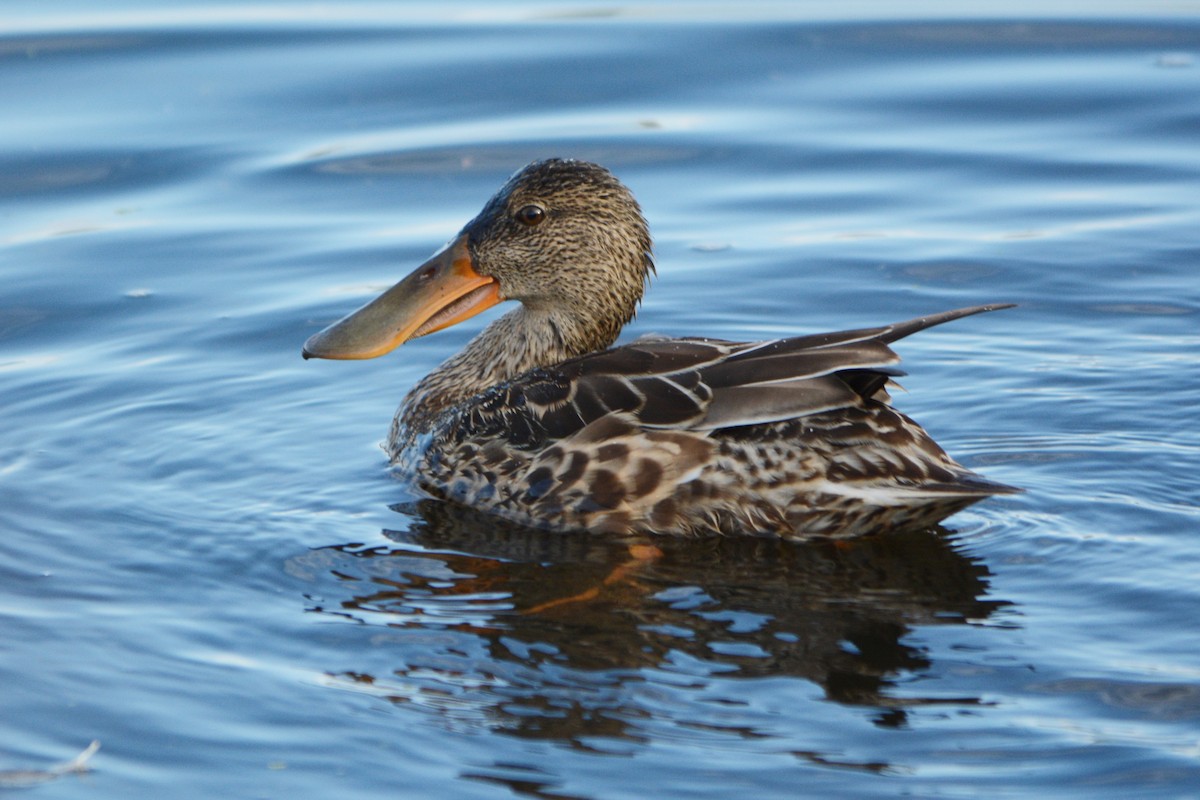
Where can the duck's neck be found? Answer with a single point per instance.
(521, 340)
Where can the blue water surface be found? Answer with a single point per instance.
(205, 565)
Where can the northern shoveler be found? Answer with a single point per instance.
(541, 421)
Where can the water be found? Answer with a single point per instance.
(200, 564)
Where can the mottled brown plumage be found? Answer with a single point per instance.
(537, 422)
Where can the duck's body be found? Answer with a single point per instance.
(537, 422)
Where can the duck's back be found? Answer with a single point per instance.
(794, 437)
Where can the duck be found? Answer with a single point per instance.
(543, 421)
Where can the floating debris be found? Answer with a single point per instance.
(24, 778)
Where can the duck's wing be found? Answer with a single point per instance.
(705, 384)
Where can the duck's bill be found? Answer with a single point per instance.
(442, 292)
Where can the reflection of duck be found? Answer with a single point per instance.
(792, 436)
(465, 603)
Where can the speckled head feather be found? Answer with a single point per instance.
(566, 236)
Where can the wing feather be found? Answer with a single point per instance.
(706, 384)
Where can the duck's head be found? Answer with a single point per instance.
(565, 238)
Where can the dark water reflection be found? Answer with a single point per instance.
(540, 634)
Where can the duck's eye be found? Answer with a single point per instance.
(531, 215)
